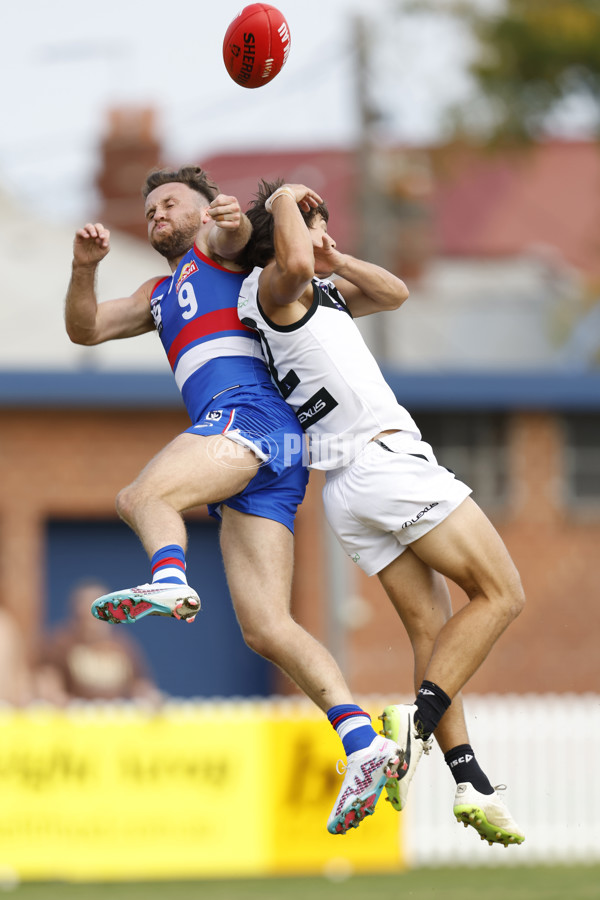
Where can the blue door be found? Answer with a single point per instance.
(206, 659)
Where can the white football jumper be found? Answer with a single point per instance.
(380, 495)
(326, 373)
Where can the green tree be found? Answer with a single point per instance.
(532, 57)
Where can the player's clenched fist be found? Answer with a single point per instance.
(91, 244)
(225, 211)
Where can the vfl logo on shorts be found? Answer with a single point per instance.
(419, 515)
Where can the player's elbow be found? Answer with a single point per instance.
(402, 294)
(299, 268)
(86, 337)
(398, 296)
(293, 277)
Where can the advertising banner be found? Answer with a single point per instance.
(189, 791)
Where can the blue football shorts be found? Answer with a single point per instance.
(270, 429)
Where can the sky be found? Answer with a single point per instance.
(63, 64)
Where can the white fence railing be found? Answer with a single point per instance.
(546, 749)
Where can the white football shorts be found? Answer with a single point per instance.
(392, 493)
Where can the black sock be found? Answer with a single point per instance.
(464, 767)
(432, 702)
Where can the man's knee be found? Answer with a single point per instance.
(510, 598)
(516, 597)
(258, 641)
(126, 503)
(262, 638)
(504, 593)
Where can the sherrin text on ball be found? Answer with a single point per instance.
(256, 45)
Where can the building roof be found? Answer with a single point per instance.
(481, 204)
(501, 204)
(329, 172)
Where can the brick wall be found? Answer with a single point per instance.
(63, 463)
(552, 646)
(72, 463)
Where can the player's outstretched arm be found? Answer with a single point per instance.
(365, 287)
(289, 276)
(87, 321)
(233, 228)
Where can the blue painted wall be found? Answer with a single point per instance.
(205, 659)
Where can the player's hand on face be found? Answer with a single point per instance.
(306, 198)
(225, 212)
(326, 254)
(91, 244)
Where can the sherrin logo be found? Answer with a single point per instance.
(188, 269)
(284, 34)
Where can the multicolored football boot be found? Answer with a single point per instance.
(366, 772)
(158, 599)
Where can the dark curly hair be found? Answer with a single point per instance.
(193, 176)
(261, 247)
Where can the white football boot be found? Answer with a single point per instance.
(399, 726)
(488, 814)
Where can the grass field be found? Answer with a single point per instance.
(519, 883)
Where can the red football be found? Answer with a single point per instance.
(256, 45)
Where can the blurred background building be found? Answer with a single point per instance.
(496, 354)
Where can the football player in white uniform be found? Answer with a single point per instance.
(396, 512)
